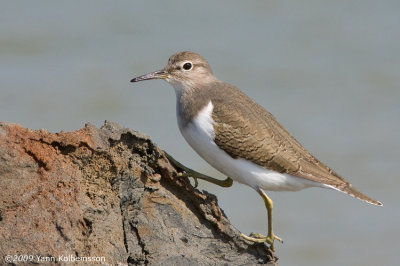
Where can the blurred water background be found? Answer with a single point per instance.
(328, 70)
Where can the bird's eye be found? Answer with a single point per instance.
(187, 66)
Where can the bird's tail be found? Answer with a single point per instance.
(349, 190)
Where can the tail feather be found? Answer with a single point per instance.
(349, 190)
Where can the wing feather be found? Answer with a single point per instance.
(245, 129)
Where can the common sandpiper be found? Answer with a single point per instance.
(241, 139)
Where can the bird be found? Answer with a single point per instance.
(241, 139)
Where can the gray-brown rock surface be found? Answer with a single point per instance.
(107, 194)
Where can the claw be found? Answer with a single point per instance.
(196, 182)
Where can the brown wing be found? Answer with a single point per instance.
(254, 134)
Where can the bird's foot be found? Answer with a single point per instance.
(259, 238)
(186, 174)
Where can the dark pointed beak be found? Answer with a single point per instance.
(160, 74)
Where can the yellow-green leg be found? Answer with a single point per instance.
(270, 238)
(187, 172)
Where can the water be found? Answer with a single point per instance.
(329, 71)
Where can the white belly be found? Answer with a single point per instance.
(200, 136)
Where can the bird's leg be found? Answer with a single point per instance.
(270, 238)
(187, 172)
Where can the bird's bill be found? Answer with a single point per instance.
(160, 74)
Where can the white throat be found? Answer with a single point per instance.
(179, 86)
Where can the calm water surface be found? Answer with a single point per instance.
(329, 71)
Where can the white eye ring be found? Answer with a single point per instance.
(187, 66)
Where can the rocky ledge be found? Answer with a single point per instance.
(108, 196)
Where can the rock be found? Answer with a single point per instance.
(108, 196)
